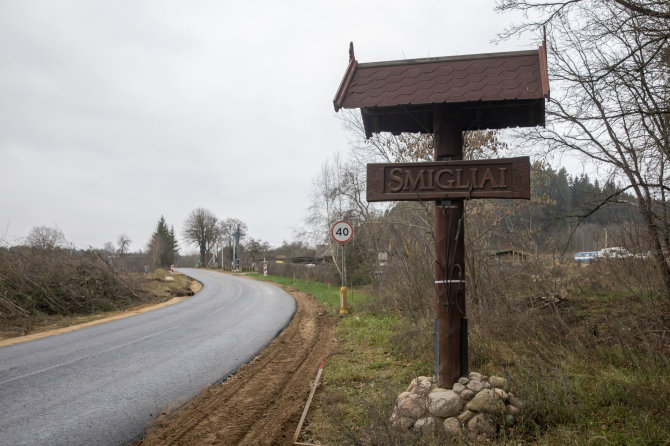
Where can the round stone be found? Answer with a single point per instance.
(452, 426)
(421, 385)
(458, 388)
(467, 394)
(413, 406)
(465, 416)
(400, 421)
(486, 401)
(501, 393)
(499, 382)
(475, 375)
(401, 397)
(444, 404)
(425, 425)
(475, 385)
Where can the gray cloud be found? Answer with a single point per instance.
(113, 113)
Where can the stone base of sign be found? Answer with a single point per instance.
(476, 406)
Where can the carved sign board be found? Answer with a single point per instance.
(498, 178)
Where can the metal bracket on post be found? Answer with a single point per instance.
(445, 204)
(447, 303)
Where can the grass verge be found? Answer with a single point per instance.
(595, 370)
(369, 367)
(328, 295)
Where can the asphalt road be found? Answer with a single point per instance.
(103, 385)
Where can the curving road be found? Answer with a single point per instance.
(102, 385)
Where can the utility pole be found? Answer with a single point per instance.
(236, 257)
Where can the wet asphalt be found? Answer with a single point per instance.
(104, 384)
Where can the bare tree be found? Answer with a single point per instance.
(3, 238)
(256, 250)
(227, 230)
(609, 62)
(328, 205)
(123, 242)
(340, 188)
(43, 237)
(155, 248)
(202, 230)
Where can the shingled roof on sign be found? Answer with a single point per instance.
(488, 91)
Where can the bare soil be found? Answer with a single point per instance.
(261, 404)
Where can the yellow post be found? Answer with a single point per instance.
(343, 300)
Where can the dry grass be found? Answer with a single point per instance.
(587, 348)
(45, 290)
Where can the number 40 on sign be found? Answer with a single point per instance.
(342, 231)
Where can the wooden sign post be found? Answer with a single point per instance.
(451, 341)
(449, 181)
(447, 96)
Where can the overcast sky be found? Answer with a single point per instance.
(115, 113)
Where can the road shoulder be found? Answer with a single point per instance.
(261, 403)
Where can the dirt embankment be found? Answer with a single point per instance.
(261, 404)
(42, 325)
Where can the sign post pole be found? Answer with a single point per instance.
(342, 232)
(343, 289)
(449, 269)
(343, 280)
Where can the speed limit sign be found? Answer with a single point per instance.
(342, 232)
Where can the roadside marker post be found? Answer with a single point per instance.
(343, 301)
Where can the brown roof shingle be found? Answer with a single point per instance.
(514, 79)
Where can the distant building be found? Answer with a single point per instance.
(509, 254)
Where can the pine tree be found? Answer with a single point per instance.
(173, 243)
(163, 245)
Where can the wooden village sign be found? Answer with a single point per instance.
(446, 96)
